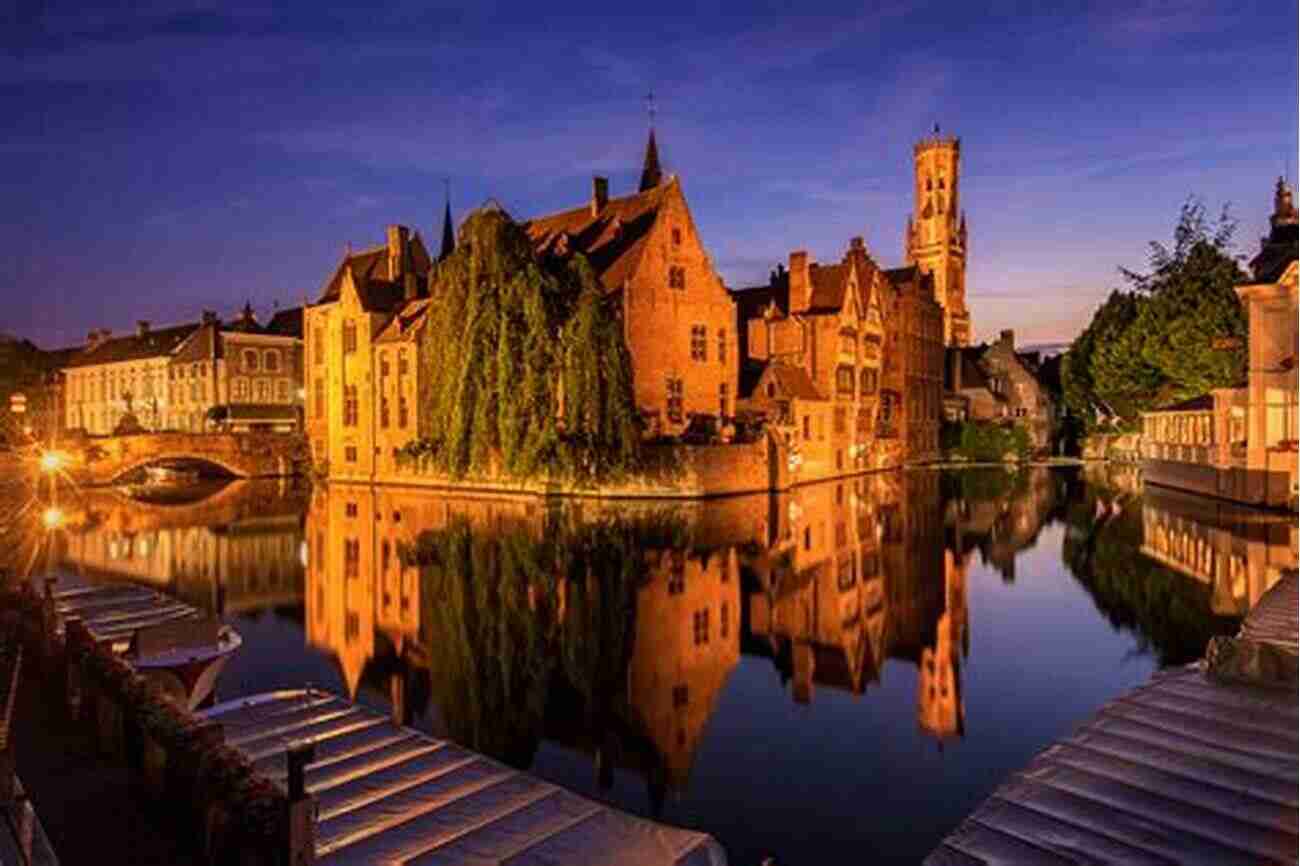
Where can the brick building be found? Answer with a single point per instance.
(994, 382)
(935, 239)
(678, 319)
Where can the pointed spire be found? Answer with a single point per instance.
(651, 175)
(448, 237)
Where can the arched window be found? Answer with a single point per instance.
(250, 359)
(271, 361)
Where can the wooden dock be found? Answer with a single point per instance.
(1198, 766)
(389, 794)
(115, 612)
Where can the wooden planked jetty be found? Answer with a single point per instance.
(1198, 766)
(389, 794)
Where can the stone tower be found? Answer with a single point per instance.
(936, 230)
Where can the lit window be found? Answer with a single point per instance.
(699, 343)
(271, 361)
(250, 359)
(676, 278)
(674, 400)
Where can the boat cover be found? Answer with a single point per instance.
(390, 794)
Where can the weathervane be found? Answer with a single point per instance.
(650, 106)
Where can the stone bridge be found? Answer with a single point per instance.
(106, 459)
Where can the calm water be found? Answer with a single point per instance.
(841, 673)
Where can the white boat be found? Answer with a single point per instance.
(185, 658)
(167, 476)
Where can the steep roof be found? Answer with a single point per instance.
(612, 240)
(379, 287)
(154, 343)
(793, 381)
(286, 323)
(829, 287)
(406, 321)
(651, 174)
(751, 301)
(972, 372)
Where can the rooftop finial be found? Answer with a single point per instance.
(936, 128)
(651, 174)
(448, 236)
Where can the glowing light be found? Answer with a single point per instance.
(53, 461)
(52, 518)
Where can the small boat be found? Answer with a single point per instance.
(186, 668)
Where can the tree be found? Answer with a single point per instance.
(527, 367)
(1178, 332)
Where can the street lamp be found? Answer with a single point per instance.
(52, 518)
(53, 461)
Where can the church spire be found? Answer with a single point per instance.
(651, 174)
(448, 237)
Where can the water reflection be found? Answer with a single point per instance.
(638, 639)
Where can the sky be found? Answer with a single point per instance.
(160, 157)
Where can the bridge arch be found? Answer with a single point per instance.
(106, 460)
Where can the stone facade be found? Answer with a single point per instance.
(994, 382)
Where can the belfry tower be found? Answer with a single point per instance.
(936, 230)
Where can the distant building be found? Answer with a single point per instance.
(182, 377)
(994, 382)
(1241, 443)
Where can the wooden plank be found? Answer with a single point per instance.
(1193, 767)
(1191, 728)
(946, 855)
(1233, 722)
(287, 727)
(989, 845)
(1077, 844)
(1190, 821)
(1213, 797)
(1229, 695)
(1136, 831)
(1122, 727)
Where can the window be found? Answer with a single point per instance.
(677, 573)
(771, 390)
(841, 419)
(318, 398)
(350, 509)
(349, 337)
(724, 569)
(282, 390)
(383, 412)
(807, 538)
(403, 416)
(318, 344)
(846, 578)
(676, 277)
(674, 399)
(263, 389)
(350, 405)
(383, 364)
(807, 427)
(700, 626)
(239, 388)
(848, 341)
(722, 399)
(681, 696)
(250, 360)
(844, 380)
(722, 346)
(194, 392)
(677, 237)
(385, 555)
(351, 557)
(350, 454)
(271, 361)
(699, 343)
(402, 368)
(868, 379)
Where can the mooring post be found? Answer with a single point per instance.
(302, 806)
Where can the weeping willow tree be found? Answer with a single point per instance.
(527, 371)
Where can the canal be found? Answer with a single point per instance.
(839, 673)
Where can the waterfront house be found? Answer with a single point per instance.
(995, 383)
(1241, 443)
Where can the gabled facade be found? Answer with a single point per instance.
(353, 383)
(994, 382)
(678, 319)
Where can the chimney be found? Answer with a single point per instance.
(800, 281)
(599, 194)
(142, 328)
(1008, 339)
(398, 238)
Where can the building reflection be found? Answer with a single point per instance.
(237, 549)
(1238, 552)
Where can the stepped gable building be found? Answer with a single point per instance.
(361, 355)
(678, 319)
(236, 375)
(935, 240)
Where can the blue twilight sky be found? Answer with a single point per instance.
(161, 156)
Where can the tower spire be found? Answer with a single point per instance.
(651, 174)
(448, 237)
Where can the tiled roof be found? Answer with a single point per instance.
(153, 344)
(972, 374)
(380, 289)
(751, 301)
(828, 286)
(407, 320)
(1276, 252)
(793, 381)
(612, 240)
(286, 323)
(1200, 403)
